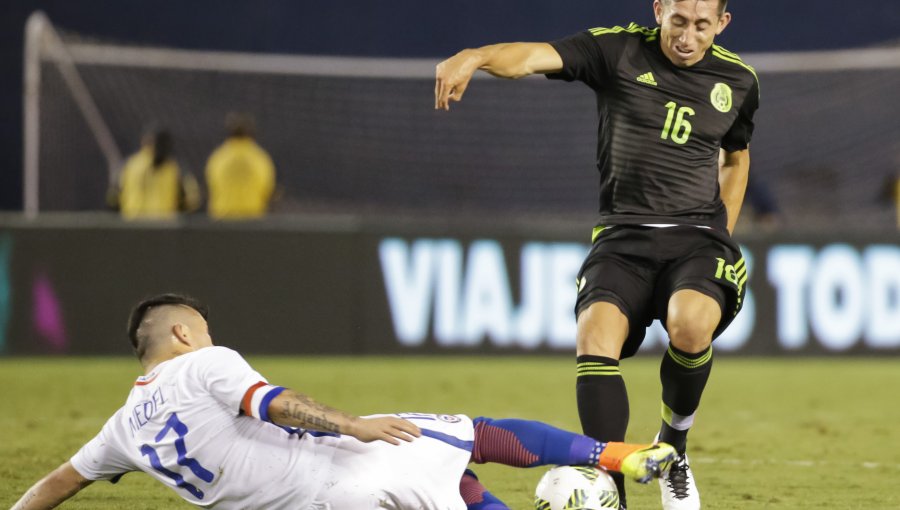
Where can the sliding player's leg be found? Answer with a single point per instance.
(525, 443)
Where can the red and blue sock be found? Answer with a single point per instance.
(476, 496)
(526, 443)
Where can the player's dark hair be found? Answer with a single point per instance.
(723, 4)
(139, 343)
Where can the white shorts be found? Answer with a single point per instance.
(420, 475)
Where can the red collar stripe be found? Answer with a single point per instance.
(143, 382)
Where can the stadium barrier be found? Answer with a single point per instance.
(352, 285)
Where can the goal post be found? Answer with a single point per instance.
(42, 41)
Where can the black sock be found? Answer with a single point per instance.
(602, 404)
(683, 377)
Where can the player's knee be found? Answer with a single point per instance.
(690, 336)
(691, 320)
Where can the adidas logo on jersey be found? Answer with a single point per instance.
(647, 78)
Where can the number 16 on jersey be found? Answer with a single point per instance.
(680, 131)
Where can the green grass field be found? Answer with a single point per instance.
(786, 433)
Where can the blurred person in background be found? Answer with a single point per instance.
(766, 213)
(151, 185)
(894, 191)
(891, 193)
(240, 174)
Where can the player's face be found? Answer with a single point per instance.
(688, 28)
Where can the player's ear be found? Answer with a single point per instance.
(657, 11)
(724, 20)
(182, 333)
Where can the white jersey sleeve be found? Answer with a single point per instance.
(103, 457)
(228, 378)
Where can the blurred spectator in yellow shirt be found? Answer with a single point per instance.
(239, 173)
(151, 184)
(897, 199)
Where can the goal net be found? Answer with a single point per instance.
(360, 135)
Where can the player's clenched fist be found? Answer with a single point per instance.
(389, 429)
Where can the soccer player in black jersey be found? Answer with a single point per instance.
(670, 102)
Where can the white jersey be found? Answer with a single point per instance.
(197, 423)
(182, 424)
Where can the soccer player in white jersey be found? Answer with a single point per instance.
(204, 423)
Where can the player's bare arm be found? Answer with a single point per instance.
(60, 485)
(504, 60)
(734, 169)
(294, 409)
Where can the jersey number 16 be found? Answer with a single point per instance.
(680, 130)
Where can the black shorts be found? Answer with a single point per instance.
(638, 269)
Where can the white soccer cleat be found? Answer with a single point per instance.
(679, 491)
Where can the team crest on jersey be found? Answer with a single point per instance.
(720, 97)
(449, 418)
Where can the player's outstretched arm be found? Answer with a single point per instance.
(60, 485)
(505, 60)
(734, 169)
(293, 409)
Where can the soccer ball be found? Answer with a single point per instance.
(576, 488)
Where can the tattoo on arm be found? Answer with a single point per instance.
(305, 412)
(25, 500)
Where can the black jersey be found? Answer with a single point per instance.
(661, 126)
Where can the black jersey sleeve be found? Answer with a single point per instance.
(738, 137)
(584, 59)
